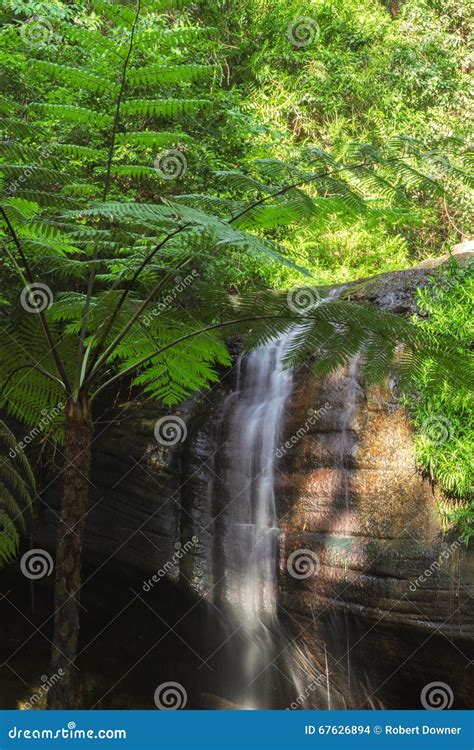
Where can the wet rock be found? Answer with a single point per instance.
(377, 554)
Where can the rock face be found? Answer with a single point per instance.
(386, 603)
(372, 590)
(384, 588)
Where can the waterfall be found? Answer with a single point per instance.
(251, 538)
(262, 666)
(257, 659)
(254, 430)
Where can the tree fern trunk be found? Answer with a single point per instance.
(77, 458)
(394, 8)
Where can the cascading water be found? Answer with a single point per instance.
(254, 429)
(264, 666)
(251, 537)
(249, 431)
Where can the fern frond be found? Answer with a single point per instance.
(367, 152)
(142, 212)
(377, 185)
(72, 114)
(241, 182)
(10, 506)
(268, 216)
(80, 152)
(28, 392)
(44, 198)
(165, 39)
(413, 179)
(19, 210)
(92, 41)
(9, 439)
(9, 539)
(77, 78)
(16, 493)
(163, 107)
(19, 128)
(32, 172)
(152, 139)
(168, 74)
(378, 355)
(134, 171)
(120, 15)
(189, 367)
(36, 236)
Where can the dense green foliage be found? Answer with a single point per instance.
(358, 75)
(127, 165)
(442, 412)
(364, 76)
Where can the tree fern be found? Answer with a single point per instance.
(17, 490)
(135, 249)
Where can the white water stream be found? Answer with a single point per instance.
(255, 417)
(260, 658)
